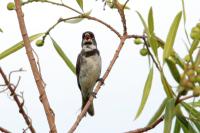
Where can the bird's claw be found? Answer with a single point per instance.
(100, 80)
(94, 94)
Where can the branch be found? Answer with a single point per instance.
(36, 74)
(19, 104)
(4, 130)
(82, 114)
(141, 130)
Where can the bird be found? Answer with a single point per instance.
(88, 68)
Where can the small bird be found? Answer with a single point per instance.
(88, 68)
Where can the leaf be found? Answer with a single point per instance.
(151, 21)
(146, 91)
(177, 127)
(158, 112)
(197, 60)
(191, 110)
(166, 86)
(79, 18)
(63, 56)
(169, 114)
(171, 36)
(18, 46)
(144, 24)
(154, 45)
(184, 15)
(80, 3)
(1, 30)
(173, 69)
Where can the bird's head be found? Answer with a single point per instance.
(88, 39)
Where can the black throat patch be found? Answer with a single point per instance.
(90, 53)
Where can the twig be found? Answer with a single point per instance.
(82, 114)
(4, 130)
(141, 130)
(19, 104)
(36, 74)
(125, 4)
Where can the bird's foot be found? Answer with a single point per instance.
(100, 80)
(94, 94)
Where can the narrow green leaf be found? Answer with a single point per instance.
(191, 110)
(186, 126)
(63, 56)
(154, 45)
(151, 21)
(173, 69)
(166, 86)
(1, 30)
(197, 60)
(18, 46)
(146, 92)
(169, 114)
(80, 3)
(196, 123)
(158, 112)
(184, 15)
(193, 47)
(171, 36)
(177, 127)
(144, 24)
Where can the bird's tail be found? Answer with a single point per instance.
(91, 108)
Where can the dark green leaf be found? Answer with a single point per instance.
(171, 37)
(63, 56)
(18, 46)
(191, 110)
(80, 3)
(173, 69)
(177, 127)
(158, 112)
(146, 92)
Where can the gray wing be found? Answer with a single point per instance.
(78, 62)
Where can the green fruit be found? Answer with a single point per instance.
(138, 41)
(198, 25)
(195, 35)
(10, 6)
(143, 51)
(187, 58)
(39, 43)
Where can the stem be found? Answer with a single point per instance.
(4, 130)
(43, 97)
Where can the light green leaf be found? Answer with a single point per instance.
(1, 30)
(158, 112)
(154, 45)
(18, 46)
(191, 110)
(197, 60)
(144, 24)
(146, 92)
(171, 37)
(177, 127)
(166, 86)
(173, 69)
(169, 114)
(151, 21)
(80, 3)
(63, 56)
(193, 47)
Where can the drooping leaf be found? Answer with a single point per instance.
(177, 127)
(146, 92)
(18, 46)
(151, 21)
(166, 86)
(80, 3)
(169, 114)
(173, 69)
(63, 56)
(158, 112)
(171, 37)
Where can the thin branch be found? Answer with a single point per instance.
(82, 114)
(4, 130)
(54, 3)
(36, 74)
(19, 104)
(125, 4)
(141, 130)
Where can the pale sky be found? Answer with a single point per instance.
(118, 100)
